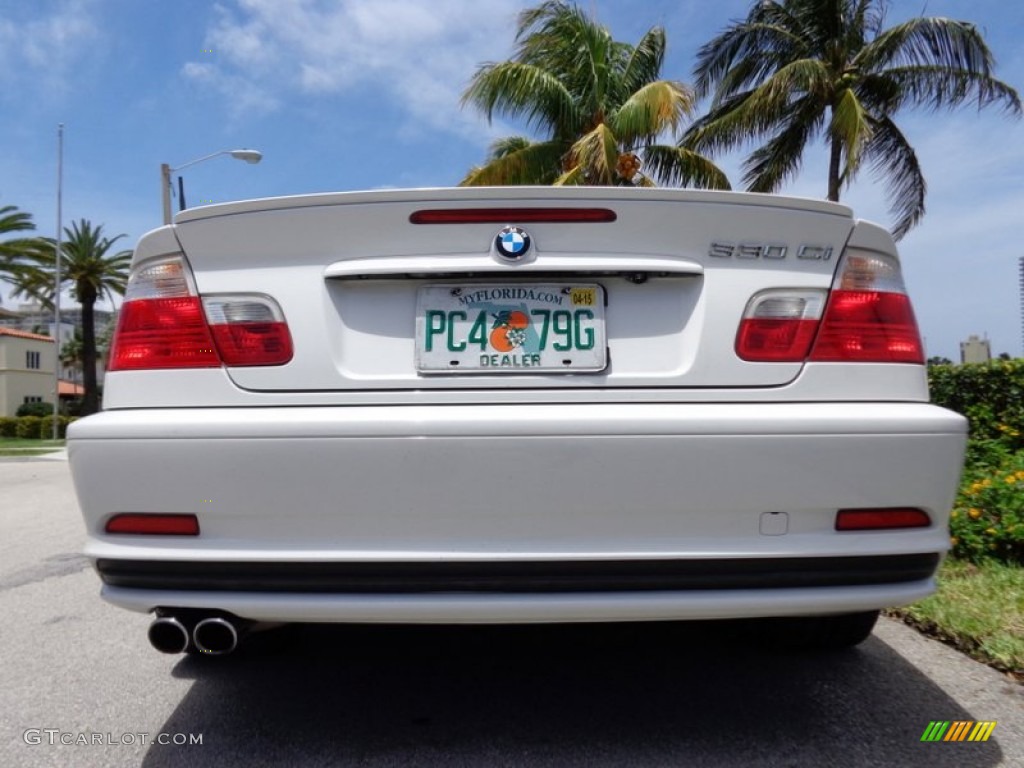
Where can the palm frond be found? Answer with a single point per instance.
(936, 87)
(779, 160)
(926, 41)
(595, 154)
(644, 63)
(851, 126)
(574, 177)
(679, 166)
(894, 159)
(517, 90)
(761, 46)
(755, 114)
(657, 107)
(530, 163)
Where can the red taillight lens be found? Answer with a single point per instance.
(881, 519)
(154, 524)
(253, 343)
(162, 333)
(868, 326)
(777, 341)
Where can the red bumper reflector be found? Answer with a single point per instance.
(154, 524)
(881, 519)
(512, 215)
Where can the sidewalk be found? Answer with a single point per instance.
(56, 454)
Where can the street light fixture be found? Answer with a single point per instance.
(250, 156)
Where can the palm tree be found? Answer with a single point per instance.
(14, 251)
(797, 70)
(598, 103)
(93, 274)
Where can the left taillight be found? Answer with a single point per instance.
(165, 324)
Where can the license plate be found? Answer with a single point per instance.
(510, 328)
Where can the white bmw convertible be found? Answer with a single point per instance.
(516, 405)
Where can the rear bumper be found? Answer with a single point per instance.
(518, 512)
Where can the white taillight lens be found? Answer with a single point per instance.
(779, 325)
(163, 324)
(868, 317)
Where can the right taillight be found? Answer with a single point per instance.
(165, 324)
(866, 318)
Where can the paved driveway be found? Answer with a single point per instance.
(74, 669)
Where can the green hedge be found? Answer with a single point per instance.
(988, 518)
(991, 396)
(28, 426)
(34, 427)
(46, 427)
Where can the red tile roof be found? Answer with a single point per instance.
(69, 388)
(24, 335)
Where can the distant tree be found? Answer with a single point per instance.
(93, 273)
(1004, 356)
(796, 70)
(939, 361)
(598, 103)
(71, 354)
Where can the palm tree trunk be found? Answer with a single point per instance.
(90, 402)
(836, 157)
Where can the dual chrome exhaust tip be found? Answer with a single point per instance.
(214, 635)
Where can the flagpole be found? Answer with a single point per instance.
(56, 287)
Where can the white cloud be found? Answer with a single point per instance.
(46, 48)
(415, 54)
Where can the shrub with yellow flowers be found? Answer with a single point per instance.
(988, 519)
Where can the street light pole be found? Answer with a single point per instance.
(56, 287)
(165, 186)
(251, 156)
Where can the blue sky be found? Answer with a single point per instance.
(357, 94)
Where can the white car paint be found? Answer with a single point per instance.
(679, 452)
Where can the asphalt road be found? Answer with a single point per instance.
(73, 669)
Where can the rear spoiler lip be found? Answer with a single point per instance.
(474, 196)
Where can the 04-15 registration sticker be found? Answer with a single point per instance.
(510, 328)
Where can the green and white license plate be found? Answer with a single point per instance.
(511, 328)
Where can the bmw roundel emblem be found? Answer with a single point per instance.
(512, 243)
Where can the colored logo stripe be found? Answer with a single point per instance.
(982, 731)
(958, 730)
(935, 730)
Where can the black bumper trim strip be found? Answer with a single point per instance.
(518, 576)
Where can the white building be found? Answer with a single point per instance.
(975, 350)
(26, 369)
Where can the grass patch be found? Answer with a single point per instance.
(979, 609)
(15, 443)
(18, 452)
